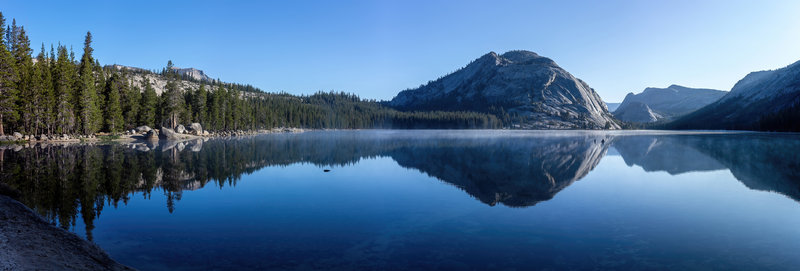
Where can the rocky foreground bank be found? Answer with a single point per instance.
(28, 242)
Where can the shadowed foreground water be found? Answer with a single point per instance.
(523, 200)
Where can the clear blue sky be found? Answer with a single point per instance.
(377, 48)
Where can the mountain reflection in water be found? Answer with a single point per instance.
(518, 169)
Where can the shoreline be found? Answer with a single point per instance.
(138, 137)
(29, 242)
(142, 138)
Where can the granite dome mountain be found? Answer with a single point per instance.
(532, 90)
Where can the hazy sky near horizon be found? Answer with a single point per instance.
(378, 48)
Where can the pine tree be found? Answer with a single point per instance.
(45, 94)
(21, 50)
(149, 103)
(8, 81)
(172, 104)
(113, 110)
(100, 85)
(90, 115)
(65, 78)
(130, 105)
(217, 108)
(199, 105)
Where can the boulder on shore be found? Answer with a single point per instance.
(196, 128)
(151, 135)
(168, 133)
(43, 137)
(180, 129)
(143, 129)
(17, 136)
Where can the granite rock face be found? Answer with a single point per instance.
(521, 83)
(665, 103)
(636, 112)
(763, 100)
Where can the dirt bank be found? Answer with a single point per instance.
(28, 242)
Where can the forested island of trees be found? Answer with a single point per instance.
(56, 93)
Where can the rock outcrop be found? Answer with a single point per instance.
(170, 134)
(612, 106)
(534, 88)
(151, 135)
(666, 103)
(636, 112)
(192, 73)
(143, 129)
(764, 100)
(195, 128)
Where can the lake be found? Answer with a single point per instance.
(410, 200)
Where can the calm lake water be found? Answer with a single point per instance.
(512, 200)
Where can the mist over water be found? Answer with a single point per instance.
(427, 199)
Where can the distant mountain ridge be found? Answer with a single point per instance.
(762, 100)
(159, 82)
(612, 106)
(637, 112)
(654, 104)
(533, 90)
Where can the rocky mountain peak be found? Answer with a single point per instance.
(522, 56)
(192, 73)
(538, 92)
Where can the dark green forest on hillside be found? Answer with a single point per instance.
(56, 93)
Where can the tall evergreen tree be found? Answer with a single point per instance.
(131, 97)
(21, 50)
(8, 81)
(90, 114)
(65, 77)
(149, 103)
(199, 105)
(217, 108)
(45, 96)
(112, 109)
(172, 104)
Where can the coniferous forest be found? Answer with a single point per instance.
(57, 92)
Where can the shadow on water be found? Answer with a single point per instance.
(517, 169)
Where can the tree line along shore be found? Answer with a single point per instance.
(57, 95)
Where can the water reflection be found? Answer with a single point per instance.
(68, 182)
(767, 162)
